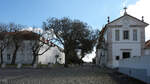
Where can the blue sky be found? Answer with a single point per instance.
(93, 12)
(34, 12)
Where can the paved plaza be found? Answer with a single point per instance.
(60, 75)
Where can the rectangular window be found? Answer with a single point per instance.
(135, 35)
(126, 35)
(8, 56)
(117, 57)
(117, 35)
(126, 55)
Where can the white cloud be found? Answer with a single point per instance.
(124, 3)
(36, 30)
(139, 9)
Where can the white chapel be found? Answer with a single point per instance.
(121, 38)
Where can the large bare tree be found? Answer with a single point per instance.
(71, 35)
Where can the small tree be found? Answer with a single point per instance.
(3, 44)
(4, 40)
(38, 43)
(36, 46)
(15, 38)
(17, 44)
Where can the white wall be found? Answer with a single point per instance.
(49, 56)
(141, 62)
(105, 36)
(130, 33)
(147, 51)
(137, 67)
(134, 47)
(118, 49)
(98, 56)
(23, 55)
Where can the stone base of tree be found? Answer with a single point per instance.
(50, 65)
(3, 65)
(35, 65)
(73, 65)
(19, 65)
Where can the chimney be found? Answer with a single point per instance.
(108, 19)
(142, 18)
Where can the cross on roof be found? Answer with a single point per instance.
(143, 18)
(125, 10)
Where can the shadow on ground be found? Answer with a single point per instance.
(88, 74)
(122, 78)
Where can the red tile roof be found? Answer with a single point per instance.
(25, 35)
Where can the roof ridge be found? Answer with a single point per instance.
(129, 16)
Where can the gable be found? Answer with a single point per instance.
(127, 20)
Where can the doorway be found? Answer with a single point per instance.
(126, 55)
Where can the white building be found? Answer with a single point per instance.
(24, 54)
(120, 39)
(53, 55)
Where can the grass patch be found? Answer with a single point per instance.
(13, 65)
(57, 65)
(42, 65)
(26, 64)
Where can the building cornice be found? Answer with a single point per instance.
(114, 26)
(137, 26)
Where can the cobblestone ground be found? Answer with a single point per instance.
(72, 75)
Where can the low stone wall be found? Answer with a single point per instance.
(137, 67)
(27, 66)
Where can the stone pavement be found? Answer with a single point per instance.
(59, 75)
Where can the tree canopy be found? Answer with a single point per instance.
(75, 36)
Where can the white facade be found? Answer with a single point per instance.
(24, 54)
(121, 46)
(136, 67)
(50, 56)
(118, 47)
(147, 52)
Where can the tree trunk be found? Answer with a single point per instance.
(66, 58)
(66, 61)
(56, 61)
(1, 57)
(14, 56)
(34, 59)
(82, 56)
